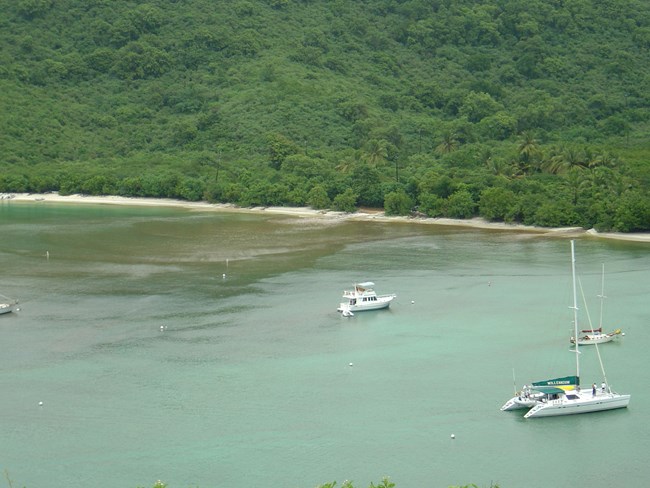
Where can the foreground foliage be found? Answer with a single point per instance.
(385, 483)
(510, 110)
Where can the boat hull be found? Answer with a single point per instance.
(518, 403)
(564, 406)
(380, 303)
(7, 308)
(595, 339)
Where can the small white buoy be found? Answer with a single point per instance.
(223, 276)
(412, 301)
(623, 333)
(453, 436)
(162, 327)
(351, 364)
(40, 404)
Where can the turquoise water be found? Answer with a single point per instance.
(256, 380)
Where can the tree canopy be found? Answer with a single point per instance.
(510, 110)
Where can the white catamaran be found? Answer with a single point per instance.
(565, 397)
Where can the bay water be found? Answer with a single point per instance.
(204, 349)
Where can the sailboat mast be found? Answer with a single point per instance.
(602, 298)
(575, 308)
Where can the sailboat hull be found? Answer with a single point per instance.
(595, 339)
(582, 404)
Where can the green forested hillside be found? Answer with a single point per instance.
(533, 111)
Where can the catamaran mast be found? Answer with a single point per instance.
(575, 308)
(602, 299)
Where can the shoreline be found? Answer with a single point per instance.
(360, 215)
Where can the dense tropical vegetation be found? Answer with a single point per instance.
(532, 111)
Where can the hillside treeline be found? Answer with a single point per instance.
(531, 111)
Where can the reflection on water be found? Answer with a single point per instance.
(204, 349)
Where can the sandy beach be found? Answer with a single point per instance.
(361, 215)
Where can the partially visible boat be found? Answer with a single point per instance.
(7, 305)
(363, 297)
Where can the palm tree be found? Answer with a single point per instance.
(346, 165)
(605, 158)
(498, 167)
(377, 152)
(217, 164)
(563, 160)
(529, 152)
(574, 158)
(486, 155)
(449, 143)
(577, 181)
(528, 146)
(554, 163)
